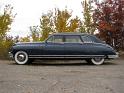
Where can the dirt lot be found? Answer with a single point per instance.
(62, 78)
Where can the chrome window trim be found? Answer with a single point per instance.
(66, 55)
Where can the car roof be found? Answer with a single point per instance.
(69, 33)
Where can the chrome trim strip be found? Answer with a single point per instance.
(58, 57)
(66, 55)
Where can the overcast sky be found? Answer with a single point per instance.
(30, 11)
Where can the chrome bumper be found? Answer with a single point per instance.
(10, 55)
(113, 56)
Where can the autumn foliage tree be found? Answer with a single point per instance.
(24, 39)
(6, 19)
(64, 22)
(46, 25)
(109, 18)
(34, 30)
(55, 22)
(87, 25)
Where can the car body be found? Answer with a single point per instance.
(64, 46)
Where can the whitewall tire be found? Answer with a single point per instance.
(21, 57)
(97, 61)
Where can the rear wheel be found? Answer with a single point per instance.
(96, 61)
(21, 58)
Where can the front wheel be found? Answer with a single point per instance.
(21, 58)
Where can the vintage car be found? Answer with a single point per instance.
(64, 46)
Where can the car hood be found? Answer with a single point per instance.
(28, 43)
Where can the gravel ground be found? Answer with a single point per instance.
(62, 78)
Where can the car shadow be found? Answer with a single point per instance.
(68, 64)
(63, 63)
(110, 63)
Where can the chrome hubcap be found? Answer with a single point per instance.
(21, 57)
(97, 59)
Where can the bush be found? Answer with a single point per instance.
(4, 47)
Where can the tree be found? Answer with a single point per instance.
(46, 25)
(87, 25)
(64, 22)
(109, 17)
(34, 33)
(57, 21)
(25, 39)
(6, 20)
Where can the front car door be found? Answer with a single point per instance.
(54, 46)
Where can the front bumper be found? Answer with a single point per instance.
(10, 55)
(113, 56)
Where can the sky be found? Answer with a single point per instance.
(30, 11)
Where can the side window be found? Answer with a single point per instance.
(87, 39)
(55, 39)
(58, 39)
(72, 39)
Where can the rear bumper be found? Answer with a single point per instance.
(113, 56)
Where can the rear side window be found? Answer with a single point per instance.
(72, 39)
(90, 39)
(86, 39)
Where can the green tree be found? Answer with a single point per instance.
(25, 39)
(56, 22)
(46, 25)
(34, 33)
(6, 20)
(87, 25)
(64, 22)
(6, 44)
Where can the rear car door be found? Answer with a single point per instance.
(73, 45)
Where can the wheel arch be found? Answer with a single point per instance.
(17, 50)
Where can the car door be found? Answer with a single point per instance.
(73, 45)
(91, 45)
(54, 46)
